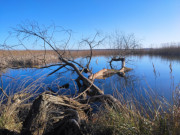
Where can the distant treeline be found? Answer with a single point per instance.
(164, 51)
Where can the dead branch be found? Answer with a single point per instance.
(92, 44)
(123, 45)
(33, 32)
(1, 88)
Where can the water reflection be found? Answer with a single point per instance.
(139, 80)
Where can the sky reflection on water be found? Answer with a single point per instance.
(148, 73)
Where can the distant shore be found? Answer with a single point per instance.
(36, 58)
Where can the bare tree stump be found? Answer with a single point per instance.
(35, 123)
(48, 108)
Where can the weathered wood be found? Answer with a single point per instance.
(98, 74)
(123, 63)
(104, 73)
(118, 59)
(22, 111)
(40, 114)
(35, 122)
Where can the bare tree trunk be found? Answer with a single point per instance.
(35, 123)
(123, 62)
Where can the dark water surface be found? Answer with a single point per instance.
(149, 74)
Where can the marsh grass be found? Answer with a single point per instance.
(144, 114)
(10, 122)
(19, 98)
(172, 50)
(24, 59)
(134, 117)
(35, 58)
(166, 50)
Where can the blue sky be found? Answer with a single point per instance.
(152, 21)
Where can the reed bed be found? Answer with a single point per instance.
(151, 115)
(35, 58)
(139, 114)
(171, 50)
(16, 59)
(15, 107)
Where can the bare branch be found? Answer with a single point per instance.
(36, 31)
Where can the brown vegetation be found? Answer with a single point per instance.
(51, 114)
(168, 50)
(36, 58)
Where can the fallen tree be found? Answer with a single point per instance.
(104, 73)
(53, 114)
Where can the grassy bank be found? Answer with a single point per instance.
(154, 116)
(130, 119)
(133, 118)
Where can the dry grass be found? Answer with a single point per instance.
(131, 118)
(14, 108)
(170, 50)
(136, 118)
(147, 114)
(35, 58)
(26, 58)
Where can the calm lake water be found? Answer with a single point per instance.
(150, 74)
